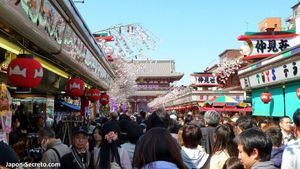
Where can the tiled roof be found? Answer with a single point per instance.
(159, 68)
(149, 93)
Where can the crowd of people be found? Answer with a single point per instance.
(158, 140)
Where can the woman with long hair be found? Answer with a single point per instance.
(96, 138)
(224, 146)
(158, 149)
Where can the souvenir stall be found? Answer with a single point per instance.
(274, 83)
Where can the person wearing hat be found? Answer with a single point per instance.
(111, 155)
(79, 157)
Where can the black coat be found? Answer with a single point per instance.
(69, 161)
(207, 140)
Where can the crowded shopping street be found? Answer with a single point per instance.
(89, 84)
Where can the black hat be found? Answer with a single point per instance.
(80, 129)
(110, 126)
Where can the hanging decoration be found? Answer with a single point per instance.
(75, 87)
(298, 93)
(122, 45)
(5, 112)
(126, 41)
(227, 68)
(104, 99)
(25, 71)
(93, 94)
(266, 97)
(173, 94)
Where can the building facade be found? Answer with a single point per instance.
(54, 34)
(155, 80)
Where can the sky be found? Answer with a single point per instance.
(192, 32)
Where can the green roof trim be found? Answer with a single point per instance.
(291, 30)
(287, 54)
(253, 67)
(251, 33)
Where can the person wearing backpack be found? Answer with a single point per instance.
(54, 148)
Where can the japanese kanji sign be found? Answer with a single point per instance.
(270, 46)
(203, 80)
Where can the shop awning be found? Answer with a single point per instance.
(225, 100)
(71, 106)
(227, 109)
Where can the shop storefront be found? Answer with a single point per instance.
(53, 34)
(278, 76)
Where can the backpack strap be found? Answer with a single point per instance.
(56, 152)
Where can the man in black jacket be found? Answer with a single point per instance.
(79, 157)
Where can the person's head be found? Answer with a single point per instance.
(233, 163)
(134, 132)
(97, 134)
(224, 137)
(227, 120)
(245, 122)
(285, 124)
(188, 119)
(296, 118)
(15, 122)
(212, 118)
(80, 138)
(253, 146)
(111, 130)
(274, 133)
(40, 121)
(154, 120)
(191, 135)
(156, 145)
(143, 114)
(263, 124)
(45, 136)
(113, 115)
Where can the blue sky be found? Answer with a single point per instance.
(191, 32)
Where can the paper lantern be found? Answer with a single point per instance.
(266, 97)
(298, 93)
(25, 72)
(104, 99)
(93, 94)
(75, 87)
(110, 58)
